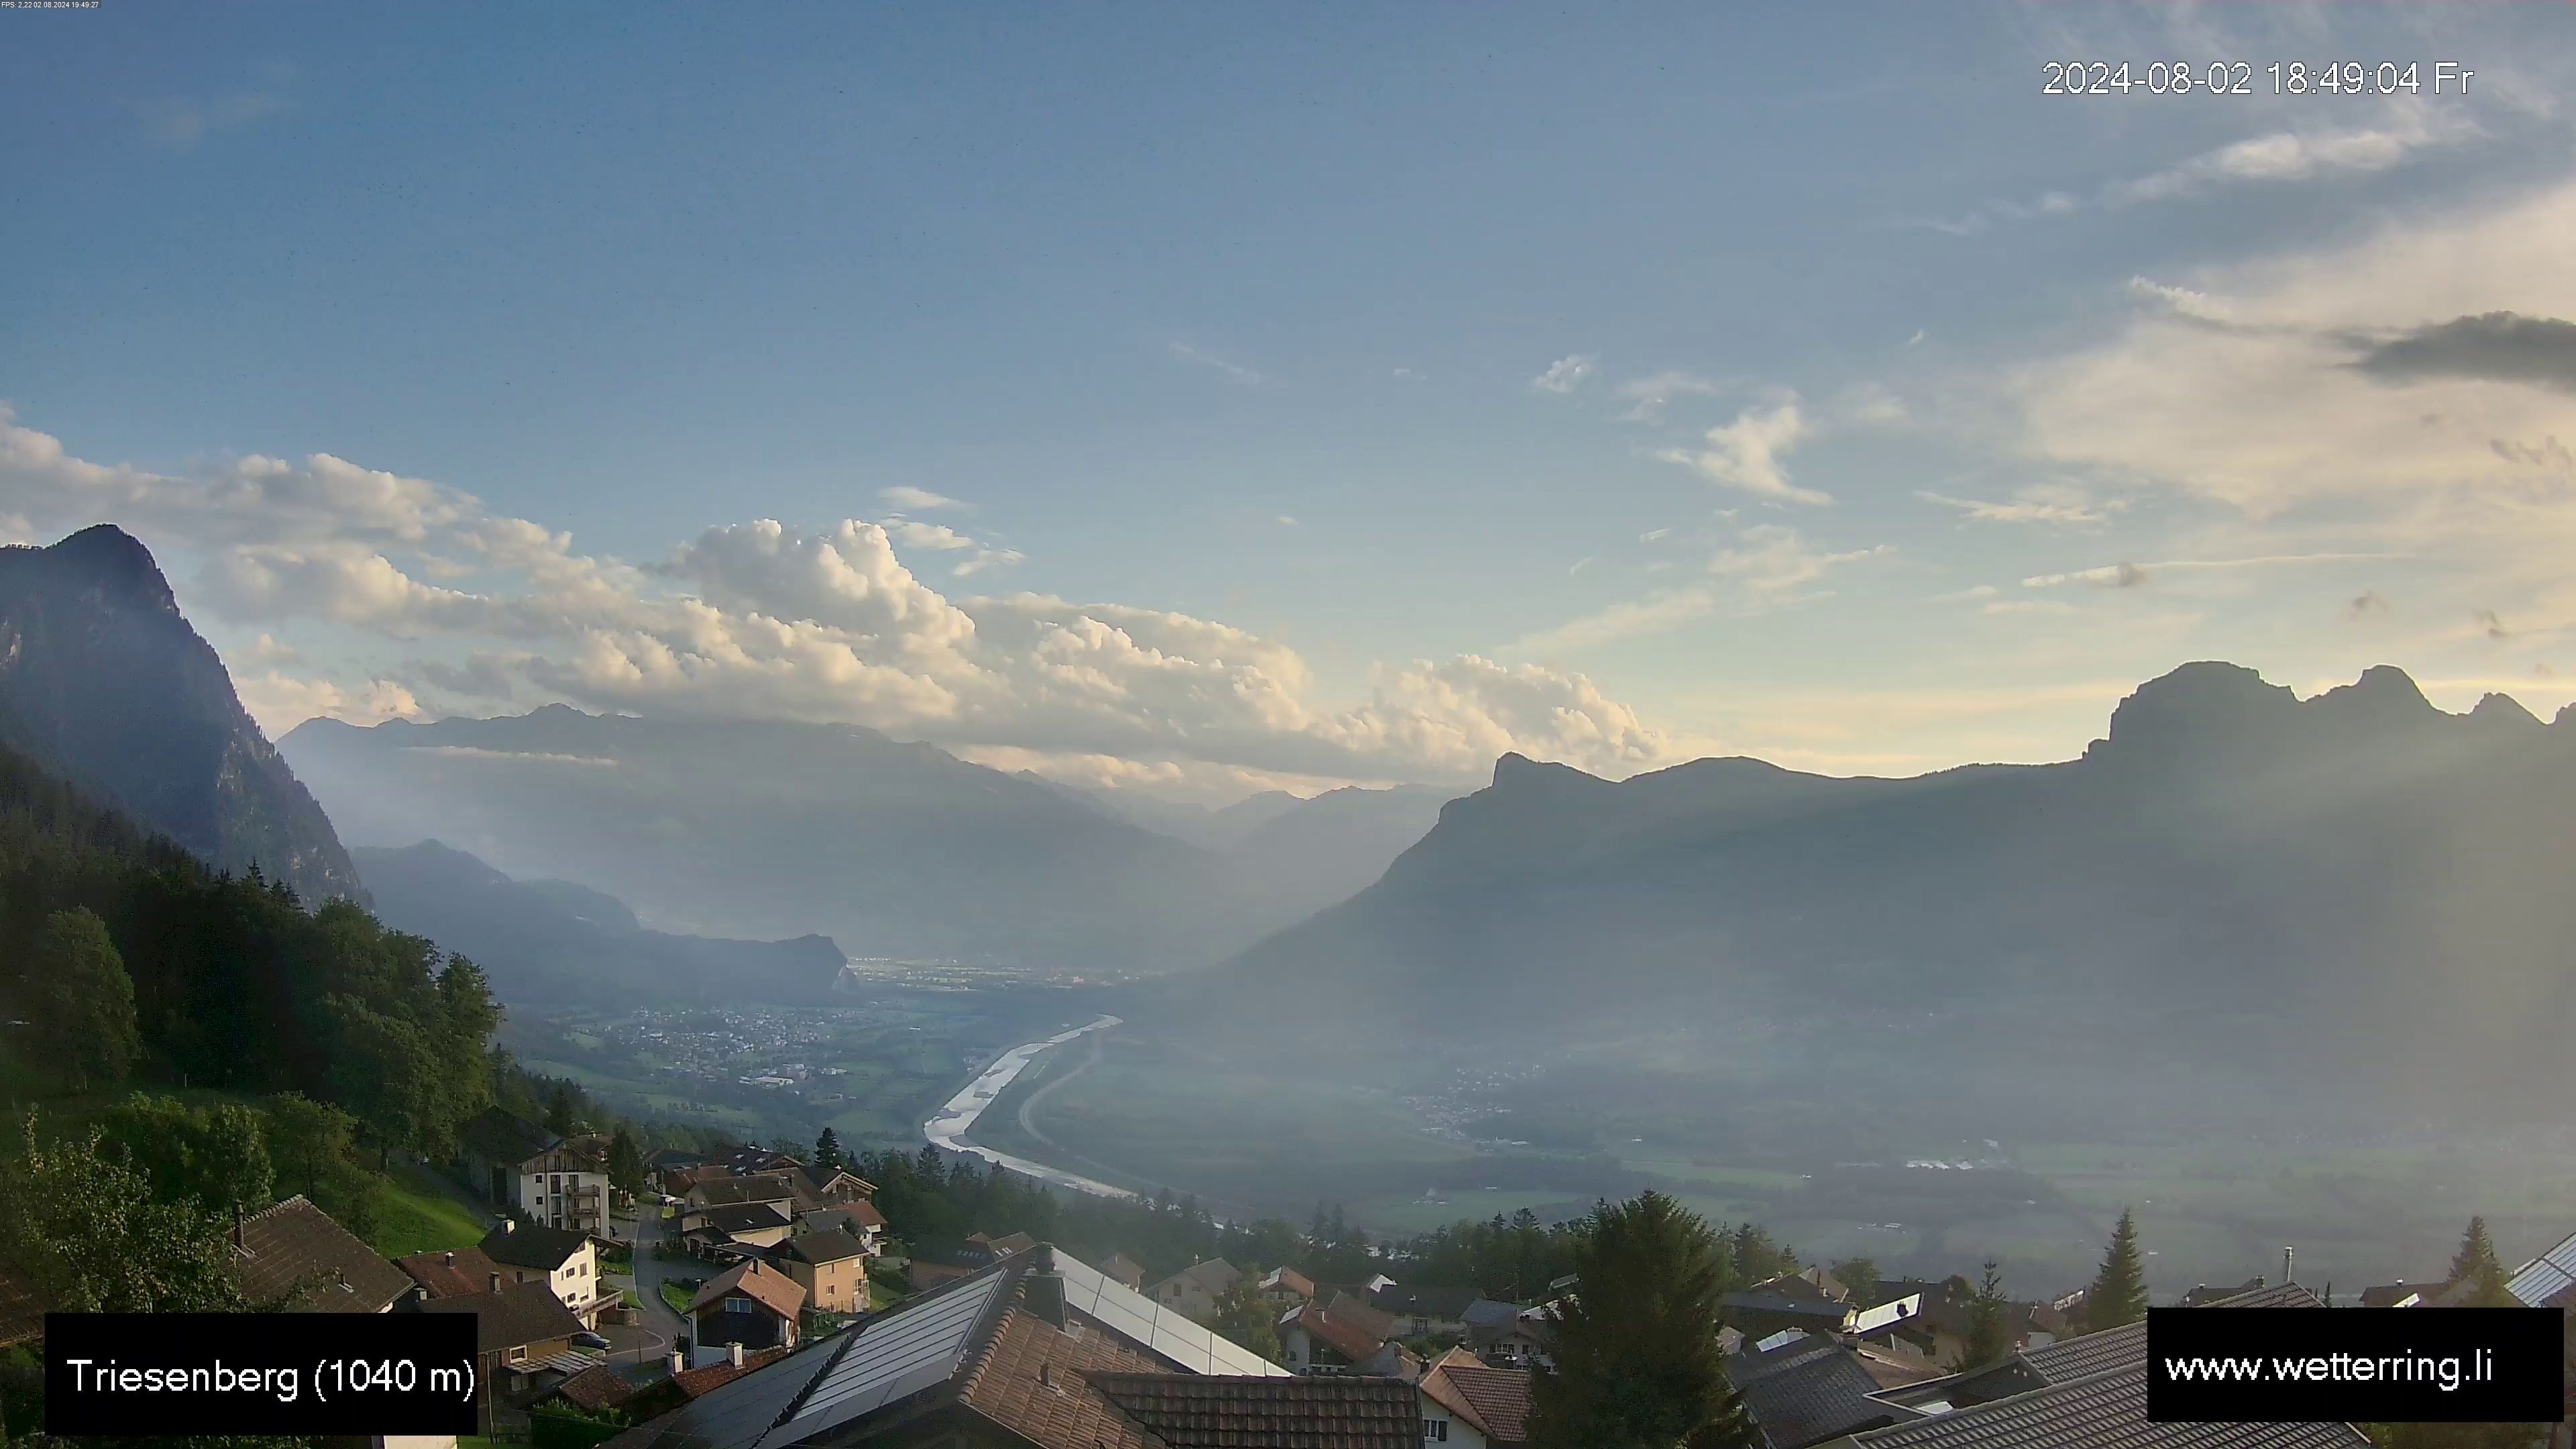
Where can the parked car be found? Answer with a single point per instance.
(590, 1340)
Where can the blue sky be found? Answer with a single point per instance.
(1327, 393)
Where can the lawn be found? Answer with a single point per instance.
(678, 1297)
(416, 1217)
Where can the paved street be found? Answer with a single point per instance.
(651, 1340)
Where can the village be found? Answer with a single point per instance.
(756, 1295)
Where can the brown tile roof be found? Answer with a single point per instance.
(1329, 1327)
(596, 1388)
(1499, 1397)
(1034, 1380)
(697, 1381)
(829, 1246)
(1358, 1314)
(457, 1274)
(1289, 1280)
(757, 1281)
(294, 1252)
(1004, 1246)
(1186, 1411)
(519, 1315)
(533, 1245)
(926, 1276)
(771, 1187)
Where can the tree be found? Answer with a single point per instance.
(80, 999)
(1243, 1316)
(1860, 1275)
(1637, 1361)
(314, 1148)
(827, 1152)
(82, 1227)
(216, 1157)
(2476, 1265)
(1987, 1341)
(625, 1161)
(563, 1111)
(2119, 1291)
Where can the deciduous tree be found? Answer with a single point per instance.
(79, 997)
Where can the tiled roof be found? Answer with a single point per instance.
(758, 1187)
(1809, 1390)
(1036, 1382)
(1356, 1312)
(1289, 1280)
(1333, 1329)
(1500, 1397)
(755, 1280)
(497, 1135)
(2090, 1353)
(1426, 1302)
(830, 1246)
(1491, 1313)
(2545, 1280)
(517, 1316)
(1125, 1269)
(533, 1245)
(743, 1217)
(2390, 1295)
(595, 1388)
(1005, 1245)
(697, 1381)
(455, 1274)
(1188, 1412)
(294, 1252)
(1214, 1274)
(2106, 1411)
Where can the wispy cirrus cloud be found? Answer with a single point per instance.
(1234, 371)
(1750, 454)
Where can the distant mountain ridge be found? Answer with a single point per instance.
(558, 943)
(2358, 884)
(103, 682)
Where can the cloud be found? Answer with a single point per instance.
(1747, 454)
(1650, 394)
(2299, 156)
(919, 500)
(1566, 373)
(2495, 346)
(767, 619)
(278, 702)
(1201, 357)
(1759, 569)
(2492, 622)
(2126, 575)
(2366, 604)
(2035, 503)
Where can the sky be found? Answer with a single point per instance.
(1203, 399)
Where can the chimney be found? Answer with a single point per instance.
(1042, 1291)
(733, 1354)
(450, 1259)
(677, 1364)
(509, 1225)
(496, 1285)
(2285, 1266)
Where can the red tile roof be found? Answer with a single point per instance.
(1499, 1398)
(1191, 1411)
(294, 1253)
(696, 1381)
(755, 1280)
(1344, 1337)
(458, 1274)
(1033, 1380)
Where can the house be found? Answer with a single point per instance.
(822, 1187)
(2204, 1295)
(744, 1161)
(1124, 1271)
(1466, 1401)
(455, 1273)
(1766, 1312)
(2078, 1392)
(1315, 1340)
(926, 1275)
(1808, 1388)
(751, 1304)
(1529, 1341)
(594, 1390)
(685, 1385)
(1351, 1309)
(522, 1341)
(2401, 1294)
(659, 1167)
(1195, 1289)
(1813, 1283)
(295, 1255)
(1285, 1288)
(776, 1188)
(567, 1262)
(1035, 1350)
(737, 1228)
(1418, 1311)
(559, 1181)
(860, 1220)
(1183, 1412)
(832, 1268)
(981, 1249)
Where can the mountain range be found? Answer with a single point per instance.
(2355, 892)
(765, 829)
(553, 942)
(104, 684)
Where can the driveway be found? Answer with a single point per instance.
(651, 1338)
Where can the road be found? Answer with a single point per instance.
(956, 1119)
(651, 1340)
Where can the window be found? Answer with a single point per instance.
(518, 1355)
(1435, 1431)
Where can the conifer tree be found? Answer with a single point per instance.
(2119, 1291)
(2476, 1265)
(1637, 1361)
(828, 1156)
(1987, 1341)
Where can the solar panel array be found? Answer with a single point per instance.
(1167, 1331)
(2545, 1277)
(903, 1354)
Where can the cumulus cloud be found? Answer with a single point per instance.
(769, 619)
(1749, 453)
(1567, 373)
(2496, 346)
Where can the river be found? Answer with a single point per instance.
(956, 1119)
